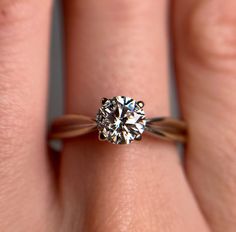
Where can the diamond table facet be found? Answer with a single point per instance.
(121, 120)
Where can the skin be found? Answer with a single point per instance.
(119, 47)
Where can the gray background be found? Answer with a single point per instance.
(55, 106)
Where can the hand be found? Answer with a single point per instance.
(119, 47)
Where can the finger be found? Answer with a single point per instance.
(119, 48)
(24, 33)
(206, 68)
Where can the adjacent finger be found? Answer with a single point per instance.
(119, 48)
(206, 67)
(24, 35)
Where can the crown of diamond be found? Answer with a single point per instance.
(121, 120)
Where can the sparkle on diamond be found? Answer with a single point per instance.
(121, 120)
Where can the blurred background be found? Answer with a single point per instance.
(55, 106)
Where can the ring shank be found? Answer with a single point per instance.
(167, 129)
(71, 126)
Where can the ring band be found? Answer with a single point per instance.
(120, 120)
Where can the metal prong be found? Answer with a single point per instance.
(140, 104)
(138, 138)
(101, 137)
(104, 100)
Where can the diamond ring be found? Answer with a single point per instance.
(120, 120)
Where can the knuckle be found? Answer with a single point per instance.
(211, 32)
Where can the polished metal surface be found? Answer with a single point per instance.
(120, 120)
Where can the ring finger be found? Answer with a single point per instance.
(119, 48)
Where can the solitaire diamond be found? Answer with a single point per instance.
(121, 120)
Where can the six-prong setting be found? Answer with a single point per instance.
(121, 120)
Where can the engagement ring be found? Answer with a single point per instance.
(120, 120)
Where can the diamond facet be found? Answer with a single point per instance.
(121, 120)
